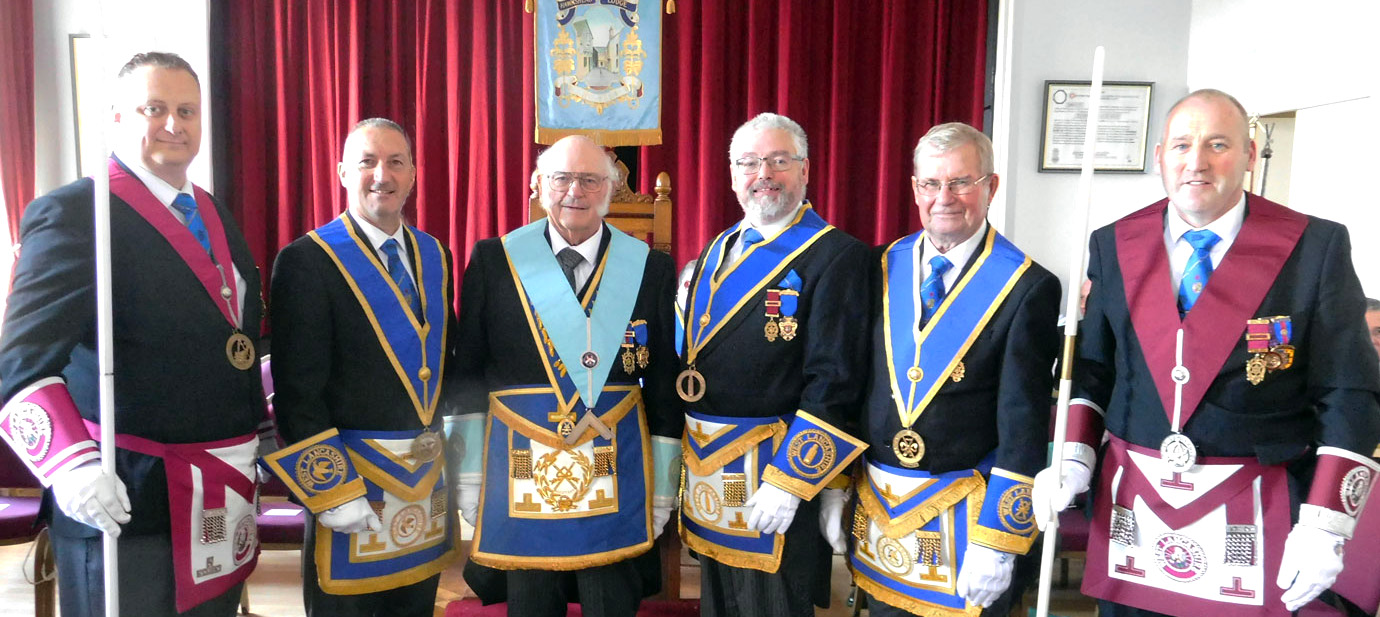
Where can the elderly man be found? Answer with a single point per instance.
(962, 346)
(568, 410)
(1221, 351)
(188, 398)
(364, 332)
(774, 364)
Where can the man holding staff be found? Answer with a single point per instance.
(1222, 351)
(961, 351)
(188, 398)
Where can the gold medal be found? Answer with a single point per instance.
(426, 447)
(644, 357)
(690, 385)
(771, 330)
(1255, 369)
(629, 363)
(959, 372)
(909, 447)
(240, 350)
(788, 327)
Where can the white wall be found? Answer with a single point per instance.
(1275, 55)
(178, 26)
(1145, 40)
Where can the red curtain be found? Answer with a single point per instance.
(16, 109)
(864, 78)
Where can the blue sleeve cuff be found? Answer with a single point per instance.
(318, 471)
(1007, 521)
(813, 453)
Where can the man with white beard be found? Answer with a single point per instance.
(774, 361)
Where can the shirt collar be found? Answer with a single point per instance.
(960, 254)
(589, 249)
(1226, 226)
(377, 236)
(768, 231)
(164, 192)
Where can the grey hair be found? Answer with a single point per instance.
(384, 123)
(546, 160)
(159, 59)
(951, 135)
(768, 121)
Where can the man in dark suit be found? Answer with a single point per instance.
(569, 418)
(363, 338)
(1224, 354)
(962, 348)
(188, 401)
(774, 359)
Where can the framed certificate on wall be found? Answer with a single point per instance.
(1122, 125)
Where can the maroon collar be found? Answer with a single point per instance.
(132, 191)
(1218, 319)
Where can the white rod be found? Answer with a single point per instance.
(1071, 315)
(105, 329)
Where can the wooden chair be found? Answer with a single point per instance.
(642, 216)
(20, 496)
(647, 218)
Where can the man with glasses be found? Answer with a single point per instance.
(773, 366)
(363, 342)
(1223, 352)
(962, 344)
(569, 416)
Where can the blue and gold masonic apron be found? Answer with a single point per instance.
(568, 471)
(911, 527)
(407, 492)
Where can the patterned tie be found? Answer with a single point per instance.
(570, 259)
(401, 278)
(1198, 270)
(187, 206)
(932, 291)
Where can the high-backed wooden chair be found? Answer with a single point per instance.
(642, 216)
(647, 218)
(20, 496)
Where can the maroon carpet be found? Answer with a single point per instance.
(470, 607)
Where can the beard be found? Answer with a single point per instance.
(764, 209)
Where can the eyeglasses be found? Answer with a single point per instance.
(748, 165)
(960, 186)
(561, 180)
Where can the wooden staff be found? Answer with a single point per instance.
(1071, 314)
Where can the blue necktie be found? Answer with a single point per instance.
(187, 206)
(932, 291)
(750, 237)
(1198, 270)
(401, 278)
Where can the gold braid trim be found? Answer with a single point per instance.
(550, 438)
(576, 562)
(911, 605)
(737, 559)
(733, 451)
(1000, 540)
(921, 514)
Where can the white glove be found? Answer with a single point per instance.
(1311, 562)
(469, 502)
(352, 516)
(986, 574)
(92, 498)
(772, 509)
(1049, 496)
(660, 516)
(831, 502)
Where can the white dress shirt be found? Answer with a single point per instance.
(735, 252)
(376, 239)
(958, 256)
(1180, 251)
(589, 249)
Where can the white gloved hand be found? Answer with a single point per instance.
(92, 498)
(1311, 562)
(986, 574)
(468, 499)
(352, 516)
(1049, 496)
(660, 516)
(831, 502)
(772, 509)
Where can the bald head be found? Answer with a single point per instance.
(1212, 95)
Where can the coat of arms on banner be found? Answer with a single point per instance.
(598, 70)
